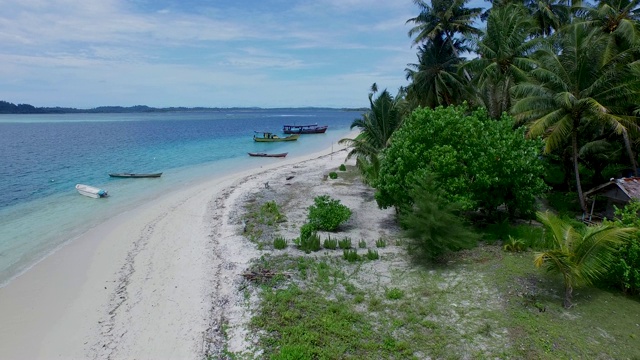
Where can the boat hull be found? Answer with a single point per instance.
(304, 129)
(268, 155)
(130, 175)
(90, 191)
(276, 138)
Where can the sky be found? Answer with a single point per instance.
(165, 53)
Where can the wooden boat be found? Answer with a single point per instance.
(132, 175)
(304, 129)
(90, 191)
(268, 155)
(271, 137)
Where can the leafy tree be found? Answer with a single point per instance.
(581, 256)
(548, 15)
(479, 162)
(433, 223)
(574, 87)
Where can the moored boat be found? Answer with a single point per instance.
(90, 191)
(304, 129)
(271, 137)
(281, 155)
(133, 175)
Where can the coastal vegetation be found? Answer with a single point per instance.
(483, 161)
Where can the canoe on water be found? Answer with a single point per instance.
(281, 155)
(132, 175)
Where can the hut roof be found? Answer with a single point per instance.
(629, 186)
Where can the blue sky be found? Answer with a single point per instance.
(271, 53)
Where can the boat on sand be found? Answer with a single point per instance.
(90, 191)
(281, 155)
(133, 175)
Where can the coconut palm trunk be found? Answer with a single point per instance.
(576, 169)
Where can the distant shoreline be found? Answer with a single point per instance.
(25, 109)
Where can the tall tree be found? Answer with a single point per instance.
(376, 127)
(434, 80)
(548, 15)
(576, 86)
(580, 256)
(446, 18)
(504, 57)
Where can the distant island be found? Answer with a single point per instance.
(10, 108)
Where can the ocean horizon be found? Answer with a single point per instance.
(46, 155)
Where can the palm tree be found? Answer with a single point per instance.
(548, 15)
(619, 20)
(577, 86)
(581, 256)
(376, 127)
(444, 18)
(434, 80)
(504, 57)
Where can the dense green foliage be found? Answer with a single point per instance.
(433, 224)
(580, 256)
(625, 267)
(479, 162)
(327, 213)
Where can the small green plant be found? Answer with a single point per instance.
(330, 243)
(279, 243)
(372, 254)
(270, 213)
(362, 244)
(345, 243)
(394, 294)
(342, 167)
(311, 243)
(351, 255)
(333, 175)
(306, 230)
(381, 243)
(514, 245)
(327, 213)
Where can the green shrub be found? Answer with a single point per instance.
(381, 243)
(514, 245)
(432, 222)
(327, 213)
(342, 167)
(362, 244)
(624, 272)
(279, 243)
(311, 243)
(351, 255)
(333, 175)
(307, 230)
(345, 243)
(372, 255)
(330, 244)
(270, 213)
(394, 294)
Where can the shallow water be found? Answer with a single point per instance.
(42, 157)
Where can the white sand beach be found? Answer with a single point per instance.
(153, 282)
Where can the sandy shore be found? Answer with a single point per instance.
(151, 283)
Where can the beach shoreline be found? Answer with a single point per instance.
(144, 284)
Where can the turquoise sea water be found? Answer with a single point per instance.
(42, 157)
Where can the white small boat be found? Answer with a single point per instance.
(90, 191)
